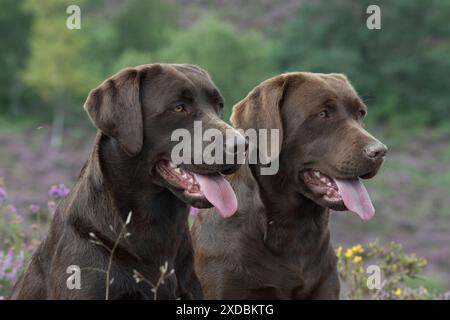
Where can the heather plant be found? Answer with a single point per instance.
(12, 249)
(16, 243)
(11, 264)
(11, 233)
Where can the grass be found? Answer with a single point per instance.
(431, 283)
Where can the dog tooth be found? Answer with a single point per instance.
(172, 165)
(317, 174)
(178, 170)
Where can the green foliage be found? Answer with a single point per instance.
(144, 25)
(398, 271)
(131, 58)
(399, 68)
(236, 60)
(14, 32)
(57, 67)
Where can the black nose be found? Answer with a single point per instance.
(375, 151)
(235, 144)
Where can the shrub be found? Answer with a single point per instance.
(396, 267)
(16, 247)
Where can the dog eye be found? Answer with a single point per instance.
(362, 113)
(179, 108)
(323, 114)
(221, 105)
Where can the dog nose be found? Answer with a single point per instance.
(236, 144)
(375, 151)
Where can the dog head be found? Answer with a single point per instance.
(325, 149)
(140, 108)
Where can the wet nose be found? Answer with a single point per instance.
(375, 151)
(236, 143)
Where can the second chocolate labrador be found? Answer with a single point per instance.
(277, 246)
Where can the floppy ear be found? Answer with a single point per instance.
(115, 109)
(340, 76)
(261, 110)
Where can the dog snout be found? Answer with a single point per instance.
(375, 151)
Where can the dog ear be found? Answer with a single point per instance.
(115, 109)
(339, 76)
(261, 109)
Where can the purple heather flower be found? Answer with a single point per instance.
(6, 262)
(58, 190)
(34, 208)
(2, 194)
(16, 267)
(10, 265)
(194, 211)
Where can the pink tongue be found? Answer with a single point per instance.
(218, 191)
(356, 198)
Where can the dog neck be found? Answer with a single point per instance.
(287, 214)
(282, 199)
(112, 186)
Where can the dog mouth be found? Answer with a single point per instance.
(210, 187)
(348, 193)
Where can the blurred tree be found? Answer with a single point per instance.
(14, 32)
(144, 25)
(400, 66)
(236, 60)
(127, 35)
(58, 68)
(97, 24)
(131, 58)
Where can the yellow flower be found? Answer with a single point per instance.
(339, 251)
(349, 253)
(398, 292)
(358, 249)
(357, 259)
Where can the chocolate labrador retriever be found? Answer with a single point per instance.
(130, 170)
(277, 246)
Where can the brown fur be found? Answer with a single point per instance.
(133, 111)
(277, 246)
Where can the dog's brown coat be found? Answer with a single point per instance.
(277, 246)
(133, 111)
